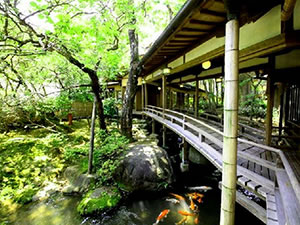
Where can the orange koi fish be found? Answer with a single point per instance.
(162, 215)
(199, 200)
(199, 195)
(195, 195)
(179, 197)
(184, 219)
(192, 205)
(196, 220)
(185, 213)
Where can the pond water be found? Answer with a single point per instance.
(141, 209)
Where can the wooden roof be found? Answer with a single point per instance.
(195, 23)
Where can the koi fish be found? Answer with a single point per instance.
(196, 220)
(192, 205)
(195, 195)
(199, 200)
(185, 213)
(179, 197)
(173, 200)
(184, 219)
(201, 188)
(162, 215)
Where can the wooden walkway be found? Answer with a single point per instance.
(261, 169)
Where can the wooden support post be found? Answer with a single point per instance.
(146, 95)
(171, 99)
(123, 92)
(164, 136)
(270, 104)
(153, 126)
(184, 165)
(164, 94)
(196, 98)
(230, 123)
(143, 98)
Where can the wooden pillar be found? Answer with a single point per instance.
(171, 99)
(230, 123)
(153, 126)
(196, 97)
(164, 136)
(146, 95)
(123, 92)
(164, 94)
(184, 165)
(143, 98)
(270, 104)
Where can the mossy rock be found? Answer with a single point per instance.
(99, 200)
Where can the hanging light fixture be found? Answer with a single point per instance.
(206, 65)
(167, 71)
(181, 84)
(159, 88)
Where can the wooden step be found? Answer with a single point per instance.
(289, 199)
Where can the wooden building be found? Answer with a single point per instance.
(264, 37)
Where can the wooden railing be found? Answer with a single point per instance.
(184, 121)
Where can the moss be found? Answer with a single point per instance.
(104, 202)
(25, 195)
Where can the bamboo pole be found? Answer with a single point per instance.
(196, 97)
(230, 123)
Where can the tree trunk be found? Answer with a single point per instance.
(131, 88)
(91, 152)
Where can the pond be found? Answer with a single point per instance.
(140, 209)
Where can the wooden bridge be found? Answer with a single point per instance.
(268, 172)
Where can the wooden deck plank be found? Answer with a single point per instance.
(291, 205)
(264, 170)
(279, 208)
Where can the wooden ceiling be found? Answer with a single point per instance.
(195, 23)
(203, 22)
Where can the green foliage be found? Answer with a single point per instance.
(108, 154)
(253, 106)
(91, 205)
(110, 106)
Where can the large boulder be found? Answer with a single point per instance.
(78, 183)
(144, 168)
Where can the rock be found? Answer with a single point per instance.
(78, 183)
(99, 200)
(144, 168)
(46, 192)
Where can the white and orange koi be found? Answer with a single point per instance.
(161, 216)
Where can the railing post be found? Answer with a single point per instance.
(201, 138)
(183, 123)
